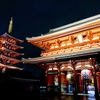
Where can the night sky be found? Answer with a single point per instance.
(36, 17)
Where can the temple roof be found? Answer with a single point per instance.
(11, 51)
(13, 45)
(77, 39)
(61, 56)
(10, 59)
(72, 28)
(11, 67)
(9, 36)
(68, 35)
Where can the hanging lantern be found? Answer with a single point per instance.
(86, 74)
(69, 76)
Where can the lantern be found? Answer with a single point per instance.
(86, 74)
(69, 76)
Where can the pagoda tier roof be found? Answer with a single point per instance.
(11, 51)
(11, 44)
(83, 53)
(76, 27)
(10, 59)
(10, 67)
(9, 36)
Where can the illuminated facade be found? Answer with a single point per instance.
(66, 52)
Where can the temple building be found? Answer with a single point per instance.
(70, 57)
(9, 50)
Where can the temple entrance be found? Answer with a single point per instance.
(67, 82)
(53, 83)
(85, 83)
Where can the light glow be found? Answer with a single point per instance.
(55, 68)
(50, 69)
(80, 38)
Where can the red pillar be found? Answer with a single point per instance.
(59, 76)
(93, 62)
(80, 84)
(98, 82)
(75, 82)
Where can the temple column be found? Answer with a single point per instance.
(59, 75)
(93, 62)
(75, 82)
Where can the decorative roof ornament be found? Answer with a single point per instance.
(10, 25)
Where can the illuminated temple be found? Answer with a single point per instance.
(9, 51)
(70, 57)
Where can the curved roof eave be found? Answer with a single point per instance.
(11, 67)
(67, 28)
(61, 57)
(6, 34)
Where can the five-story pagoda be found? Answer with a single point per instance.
(9, 47)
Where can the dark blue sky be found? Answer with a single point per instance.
(36, 17)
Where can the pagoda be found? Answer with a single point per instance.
(9, 54)
(69, 57)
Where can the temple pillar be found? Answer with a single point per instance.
(75, 82)
(46, 75)
(93, 62)
(59, 76)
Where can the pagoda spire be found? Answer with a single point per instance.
(10, 25)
